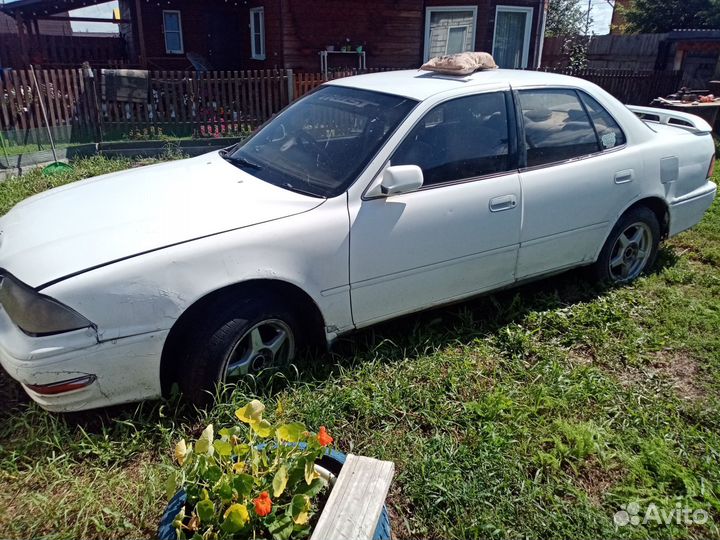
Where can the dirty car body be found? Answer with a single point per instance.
(373, 197)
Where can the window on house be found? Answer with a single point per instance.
(257, 33)
(511, 42)
(449, 30)
(172, 27)
(557, 128)
(459, 139)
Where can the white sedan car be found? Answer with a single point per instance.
(372, 197)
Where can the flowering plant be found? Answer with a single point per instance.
(256, 480)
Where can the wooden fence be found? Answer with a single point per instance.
(305, 82)
(178, 103)
(629, 86)
(212, 104)
(612, 51)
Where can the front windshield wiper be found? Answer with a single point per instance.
(288, 185)
(235, 160)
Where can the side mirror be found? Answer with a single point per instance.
(401, 179)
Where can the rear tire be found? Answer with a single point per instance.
(235, 338)
(630, 249)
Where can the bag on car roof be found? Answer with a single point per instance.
(461, 63)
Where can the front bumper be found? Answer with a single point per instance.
(688, 210)
(120, 371)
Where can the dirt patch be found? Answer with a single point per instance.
(581, 356)
(678, 368)
(596, 480)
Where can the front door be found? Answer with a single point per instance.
(456, 236)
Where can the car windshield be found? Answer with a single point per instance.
(321, 143)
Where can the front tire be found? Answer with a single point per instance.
(236, 338)
(631, 248)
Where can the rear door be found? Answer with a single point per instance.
(579, 173)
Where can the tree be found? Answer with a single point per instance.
(565, 18)
(657, 16)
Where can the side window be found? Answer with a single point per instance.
(608, 131)
(557, 127)
(463, 138)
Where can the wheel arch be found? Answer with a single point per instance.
(657, 206)
(312, 319)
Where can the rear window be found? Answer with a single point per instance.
(608, 130)
(557, 128)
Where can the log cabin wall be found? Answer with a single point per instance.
(210, 28)
(392, 32)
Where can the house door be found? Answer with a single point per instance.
(511, 43)
(223, 39)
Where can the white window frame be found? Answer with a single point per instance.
(254, 54)
(179, 31)
(447, 41)
(433, 9)
(529, 13)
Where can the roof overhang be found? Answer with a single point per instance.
(31, 9)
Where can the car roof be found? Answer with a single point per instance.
(420, 85)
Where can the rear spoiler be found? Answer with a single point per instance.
(672, 118)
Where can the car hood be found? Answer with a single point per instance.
(103, 219)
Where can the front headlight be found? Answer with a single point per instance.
(36, 314)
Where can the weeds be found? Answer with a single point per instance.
(536, 413)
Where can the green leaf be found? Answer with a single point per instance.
(224, 489)
(310, 473)
(243, 484)
(205, 510)
(228, 432)
(236, 517)
(314, 488)
(291, 432)
(241, 449)
(297, 472)
(204, 443)
(280, 481)
(171, 486)
(223, 448)
(213, 473)
(281, 528)
(252, 412)
(262, 428)
(300, 509)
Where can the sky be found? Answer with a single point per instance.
(600, 11)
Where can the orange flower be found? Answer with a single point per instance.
(324, 437)
(263, 504)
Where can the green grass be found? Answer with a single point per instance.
(533, 413)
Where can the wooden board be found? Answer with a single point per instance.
(356, 501)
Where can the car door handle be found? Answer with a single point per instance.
(504, 202)
(623, 177)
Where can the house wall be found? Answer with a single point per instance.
(211, 29)
(392, 32)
